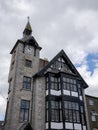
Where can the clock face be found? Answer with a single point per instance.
(29, 49)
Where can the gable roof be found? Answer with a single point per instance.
(68, 62)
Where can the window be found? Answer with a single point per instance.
(54, 83)
(56, 114)
(91, 102)
(24, 110)
(95, 128)
(28, 63)
(69, 84)
(71, 110)
(93, 115)
(27, 83)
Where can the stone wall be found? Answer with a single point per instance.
(16, 93)
(39, 104)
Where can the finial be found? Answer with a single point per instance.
(28, 18)
(28, 29)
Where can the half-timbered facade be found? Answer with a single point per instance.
(64, 97)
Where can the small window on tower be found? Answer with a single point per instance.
(28, 63)
(24, 110)
(27, 83)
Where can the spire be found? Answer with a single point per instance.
(28, 30)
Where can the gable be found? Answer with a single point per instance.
(60, 63)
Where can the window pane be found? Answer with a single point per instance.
(54, 115)
(77, 116)
(70, 106)
(82, 116)
(74, 116)
(77, 106)
(66, 104)
(21, 115)
(66, 115)
(70, 115)
(26, 115)
(55, 104)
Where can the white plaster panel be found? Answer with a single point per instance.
(84, 127)
(47, 125)
(54, 92)
(75, 94)
(56, 125)
(47, 92)
(77, 126)
(81, 98)
(66, 92)
(69, 125)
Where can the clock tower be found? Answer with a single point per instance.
(24, 64)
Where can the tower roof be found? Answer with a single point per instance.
(28, 28)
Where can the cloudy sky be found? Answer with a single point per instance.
(71, 25)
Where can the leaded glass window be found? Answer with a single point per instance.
(54, 83)
(69, 84)
(71, 110)
(56, 113)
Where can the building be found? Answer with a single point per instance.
(92, 107)
(43, 95)
(1, 125)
